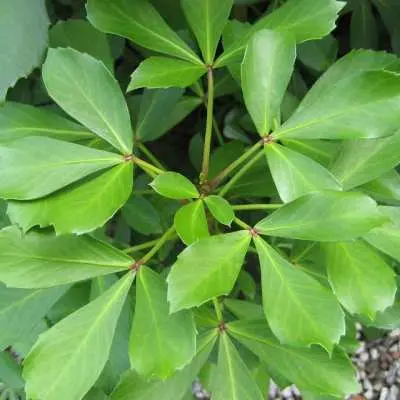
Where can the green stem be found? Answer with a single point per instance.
(240, 173)
(226, 171)
(244, 207)
(218, 309)
(146, 166)
(241, 223)
(150, 156)
(209, 127)
(141, 246)
(160, 243)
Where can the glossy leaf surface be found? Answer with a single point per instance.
(164, 72)
(266, 69)
(221, 210)
(295, 174)
(190, 222)
(310, 369)
(66, 361)
(94, 201)
(174, 186)
(33, 167)
(140, 22)
(206, 269)
(324, 216)
(39, 260)
(360, 278)
(160, 343)
(299, 310)
(94, 98)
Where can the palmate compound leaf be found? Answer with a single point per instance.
(309, 369)
(207, 19)
(161, 343)
(303, 19)
(206, 269)
(22, 309)
(86, 90)
(360, 278)
(66, 360)
(295, 174)
(190, 222)
(299, 310)
(25, 25)
(93, 201)
(233, 380)
(325, 216)
(40, 260)
(266, 70)
(134, 387)
(19, 120)
(164, 72)
(386, 238)
(140, 22)
(34, 167)
(361, 104)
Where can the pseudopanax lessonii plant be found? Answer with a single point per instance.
(124, 280)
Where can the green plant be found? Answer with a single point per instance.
(126, 280)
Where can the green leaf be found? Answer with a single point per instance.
(233, 379)
(388, 319)
(93, 201)
(360, 278)
(93, 98)
(4, 221)
(33, 167)
(386, 188)
(164, 72)
(10, 371)
(206, 269)
(361, 161)
(39, 260)
(355, 105)
(190, 222)
(221, 210)
(24, 24)
(318, 54)
(174, 186)
(264, 81)
(156, 112)
(82, 36)
(133, 387)
(303, 19)
(140, 22)
(310, 369)
(142, 216)
(324, 217)
(21, 120)
(21, 310)
(295, 174)
(160, 343)
(67, 360)
(299, 310)
(387, 237)
(363, 26)
(207, 19)
(244, 309)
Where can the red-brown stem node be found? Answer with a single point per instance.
(253, 232)
(128, 157)
(136, 266)
(222, 327)
(268, 139)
